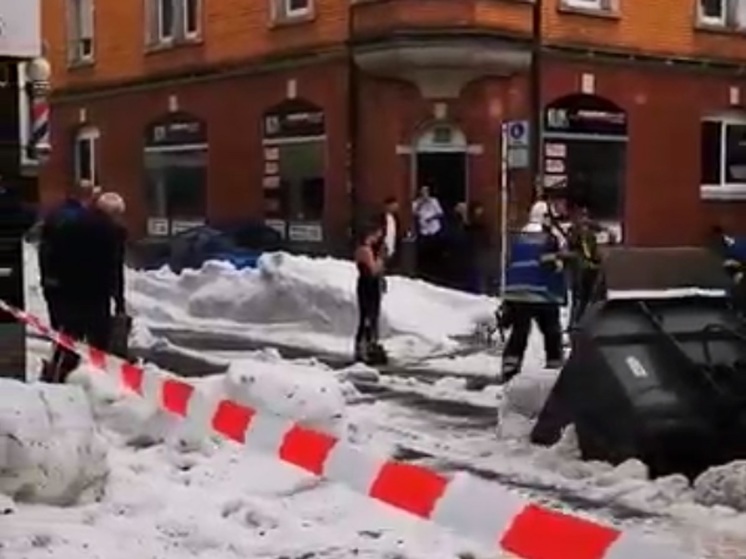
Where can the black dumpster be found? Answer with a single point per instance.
(657, 369)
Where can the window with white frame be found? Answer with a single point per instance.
(170, 22)
(723, 157)
(291, 9)
(192, 17)
(80, 27)
(722, 13)
(297, 7)
(86, 155)
(595, 5)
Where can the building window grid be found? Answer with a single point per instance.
(296, 8)
(81, 30)
(191, 18)
(173, 21)
(86, 155)
(586, 4)
(165, 14)
(724, 125)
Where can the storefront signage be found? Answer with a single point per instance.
(585, 114)
(294, 118)
(176, 129)
(305, 231)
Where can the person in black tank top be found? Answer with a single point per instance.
(369, 291)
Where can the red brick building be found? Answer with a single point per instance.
(230, 108)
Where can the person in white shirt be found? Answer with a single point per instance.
(428, 215)
(391, 230)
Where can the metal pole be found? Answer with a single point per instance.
(503, 207)
(352, 120)
(537, 106)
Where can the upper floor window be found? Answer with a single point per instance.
(172, 21)
(590, 5)
(80, 31)
(292, 9)
(722, 13)
(85, 156)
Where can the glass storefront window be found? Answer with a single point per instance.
(176, 183)
(301, 170)
(596, 177)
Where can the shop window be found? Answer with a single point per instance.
(723, 158)
(301, 171)
(595, 178)
(175, 162)
(85, 157)
(292, 9)
(722, 13)
(80, 27)
(294, 169)
(585, 154)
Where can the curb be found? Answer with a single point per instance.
(465, 504)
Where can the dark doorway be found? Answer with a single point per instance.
(445, 174)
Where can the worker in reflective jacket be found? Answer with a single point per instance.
(535, 290)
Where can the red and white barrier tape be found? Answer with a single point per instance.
(466, 504)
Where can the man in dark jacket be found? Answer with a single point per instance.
(82, 264)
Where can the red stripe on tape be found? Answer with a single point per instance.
(132, 377)
(538, 533)
(176, 396)
(66, 341)
(232, 420)
(306, 448)
(97, 357)
(411, 488)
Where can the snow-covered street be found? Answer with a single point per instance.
(278, 338)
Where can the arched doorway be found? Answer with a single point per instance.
(441, 163)
(175, 163)
(585, 155)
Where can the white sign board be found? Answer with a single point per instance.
(517, 133)
(20, 28)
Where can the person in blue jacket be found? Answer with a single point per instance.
(732, 251)
(535, 290)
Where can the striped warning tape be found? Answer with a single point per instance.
(468, 505)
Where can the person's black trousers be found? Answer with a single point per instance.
(88, 321)
(582, 290)
(369, 312)
(522, 315)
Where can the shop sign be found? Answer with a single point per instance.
(176, 129)
(294, 118)
(585, 114)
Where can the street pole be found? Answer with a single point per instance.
(537, 105)
(352, 121)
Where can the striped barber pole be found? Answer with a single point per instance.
(39, 125)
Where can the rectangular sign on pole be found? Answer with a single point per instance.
(516, 133)
(20, 28)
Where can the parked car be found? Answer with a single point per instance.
(240, 243)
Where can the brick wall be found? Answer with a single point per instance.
(240, 30)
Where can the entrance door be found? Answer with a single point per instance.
(445, 174)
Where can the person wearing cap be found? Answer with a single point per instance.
(535, 290)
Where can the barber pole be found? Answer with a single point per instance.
(39, 137)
